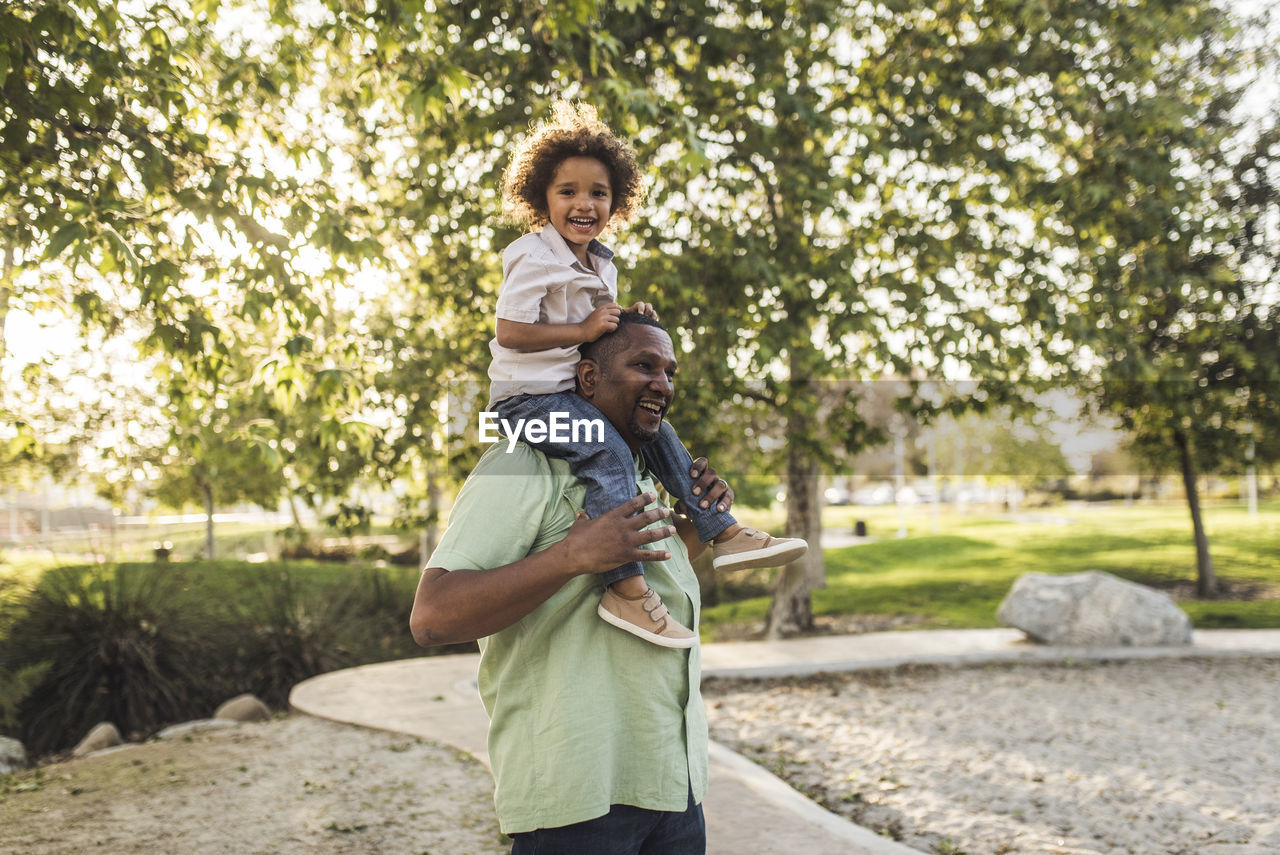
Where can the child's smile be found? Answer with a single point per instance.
(579, 202)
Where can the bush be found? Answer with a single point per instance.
(294, 631)
(128, 645)
(145, 645)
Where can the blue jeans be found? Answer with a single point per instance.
(624, 830)
(607, 466)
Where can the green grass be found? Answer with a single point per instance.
(958, 576)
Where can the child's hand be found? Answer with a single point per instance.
(710, 486)
(603, 320)
(645, 309)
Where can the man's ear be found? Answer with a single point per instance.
(588, 375)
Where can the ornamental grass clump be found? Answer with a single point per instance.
(129, 644)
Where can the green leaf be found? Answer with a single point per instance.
(63, 238)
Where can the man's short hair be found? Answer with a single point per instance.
(603, 349)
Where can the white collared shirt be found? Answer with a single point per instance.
(543, 282)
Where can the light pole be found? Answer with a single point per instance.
(900, 476)
(1251, 474)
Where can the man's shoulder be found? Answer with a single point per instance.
(519, 459)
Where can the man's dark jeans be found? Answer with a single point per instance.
(624, 830)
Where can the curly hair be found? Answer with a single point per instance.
(574, 130)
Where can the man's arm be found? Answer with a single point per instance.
(463, 605)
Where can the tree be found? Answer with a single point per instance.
(1178, 328)
(150, 156)
(870, 189)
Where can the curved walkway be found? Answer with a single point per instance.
(747, 809)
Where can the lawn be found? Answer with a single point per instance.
(957, 576)
(951, 570)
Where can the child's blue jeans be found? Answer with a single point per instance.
(608, 467)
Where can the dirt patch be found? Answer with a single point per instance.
(291, 786)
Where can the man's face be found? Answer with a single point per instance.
(634, 389)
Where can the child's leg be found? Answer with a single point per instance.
(670, 462)
(734, 547)
(606, 467)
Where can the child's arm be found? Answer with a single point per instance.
(530, 337)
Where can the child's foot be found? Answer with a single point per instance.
(645, 617)
(748, 548)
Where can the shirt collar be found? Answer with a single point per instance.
(560, 247)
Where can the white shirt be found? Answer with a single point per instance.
(543, 282)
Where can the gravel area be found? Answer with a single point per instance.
(1172, 757)
(292, 786)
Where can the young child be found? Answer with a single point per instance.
(572, 178)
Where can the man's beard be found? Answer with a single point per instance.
(643, 434)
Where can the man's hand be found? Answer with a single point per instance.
(603, 320)
(617, 537)
(710, 486)
(464, 605)
(645, 309)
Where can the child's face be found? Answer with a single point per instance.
(579, 199)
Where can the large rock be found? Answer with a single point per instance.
(243, 708)
(1093, 609)
(102, 736)
(13, 755)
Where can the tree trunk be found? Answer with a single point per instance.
(431, 531)
(206, 491)
(6, 293)
(1206, 582)
(791, 611)
(293, 512)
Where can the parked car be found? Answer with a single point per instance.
(837, 496)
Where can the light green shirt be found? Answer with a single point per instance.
(582, 714)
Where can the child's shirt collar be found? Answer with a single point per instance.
(560, 247)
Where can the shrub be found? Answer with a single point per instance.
(145, 645)
(291, 629)
(128, 645)
(292, 633)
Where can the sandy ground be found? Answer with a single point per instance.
(289, 786)
(1149, 758)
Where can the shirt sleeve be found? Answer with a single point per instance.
(526, 279)
(499, 511)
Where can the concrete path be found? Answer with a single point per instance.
(747, 809)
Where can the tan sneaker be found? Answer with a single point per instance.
(750, 548)
(645, 617)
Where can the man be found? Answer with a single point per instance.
(598, 740)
